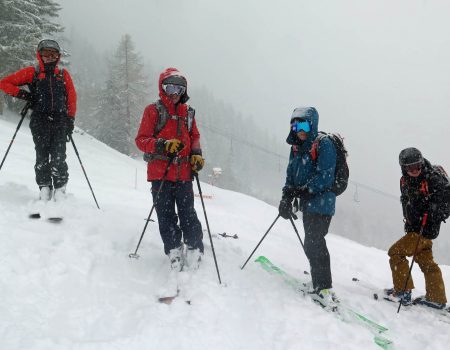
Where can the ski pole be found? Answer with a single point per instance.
(23, 113)
(84, 171)
(424, 221)
(298, 235)
(135, 254)
(254, 250)
(207, 225)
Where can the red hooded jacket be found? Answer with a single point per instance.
(180, 169)
(11, 84)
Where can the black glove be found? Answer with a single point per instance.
(285, 208)
(303, 193)
(70, 124)
(24, 95)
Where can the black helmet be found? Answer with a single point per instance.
(48, 44)
(410, 156)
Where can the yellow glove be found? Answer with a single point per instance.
(173, 146)
(197, 162)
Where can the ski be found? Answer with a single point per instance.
(53, 219)
(378, 294)
(343, 312)
(168, 299)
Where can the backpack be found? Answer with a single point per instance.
(341, 173)
(163, 117)
(444, 207)
(37, 71)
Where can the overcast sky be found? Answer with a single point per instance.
(377, 71)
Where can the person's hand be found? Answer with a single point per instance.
(285, 208)
(70, 124)
(197, 162)
(24, 95)
(173, 146)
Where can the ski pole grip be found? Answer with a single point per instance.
(424, 219)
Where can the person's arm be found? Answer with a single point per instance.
(195, 139)
(11, 84)
(71, 95)
(145, 140)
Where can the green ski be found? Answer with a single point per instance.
(344, 312)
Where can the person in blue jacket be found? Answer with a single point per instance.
(310, 178)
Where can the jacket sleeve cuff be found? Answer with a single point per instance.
(197, 151)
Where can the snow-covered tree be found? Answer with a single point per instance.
(123, 99)
(23, 23)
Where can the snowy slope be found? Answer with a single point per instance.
(72, 285)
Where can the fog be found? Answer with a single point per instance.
(377, 71)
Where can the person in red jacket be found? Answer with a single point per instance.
(168, 129)
(53, 98)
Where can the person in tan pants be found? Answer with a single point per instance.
(425, 196)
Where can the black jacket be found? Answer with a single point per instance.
(427, 193)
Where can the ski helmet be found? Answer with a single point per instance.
(410, 156)
(175, 80)
(48, 44)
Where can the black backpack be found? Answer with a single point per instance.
(342, 172)
(443, 207)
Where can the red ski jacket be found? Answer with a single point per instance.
(180, 169)
(11, 84)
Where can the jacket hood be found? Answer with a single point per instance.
(172, 75)
(311, 115)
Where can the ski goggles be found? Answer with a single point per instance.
(298, 126)
(49, 53)
(172, 89)
(413, 167)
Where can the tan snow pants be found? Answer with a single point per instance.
(405, 246)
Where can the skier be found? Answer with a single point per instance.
(53, 98)
(168, 129)
(424, 189)
(311, 182)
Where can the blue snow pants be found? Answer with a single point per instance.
(181, 194)
(316, 227)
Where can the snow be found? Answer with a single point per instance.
(72, 285)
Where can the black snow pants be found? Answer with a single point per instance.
(180, 193)
(316, 227)
(49, 136)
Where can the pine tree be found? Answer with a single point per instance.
(23, 23)
(123, 99)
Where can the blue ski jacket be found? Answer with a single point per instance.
(315, 175)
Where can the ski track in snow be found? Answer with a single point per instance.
(71, 285)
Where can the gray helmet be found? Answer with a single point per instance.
(48, 44)
(176, 80)
(410, 156)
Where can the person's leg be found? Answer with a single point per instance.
(41, 139)
(167, 218)
(398, 252)
(433, 277)
(58, 165)
(189, 222)
(316, 227)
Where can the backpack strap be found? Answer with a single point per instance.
(163, 117)
(315, 145)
